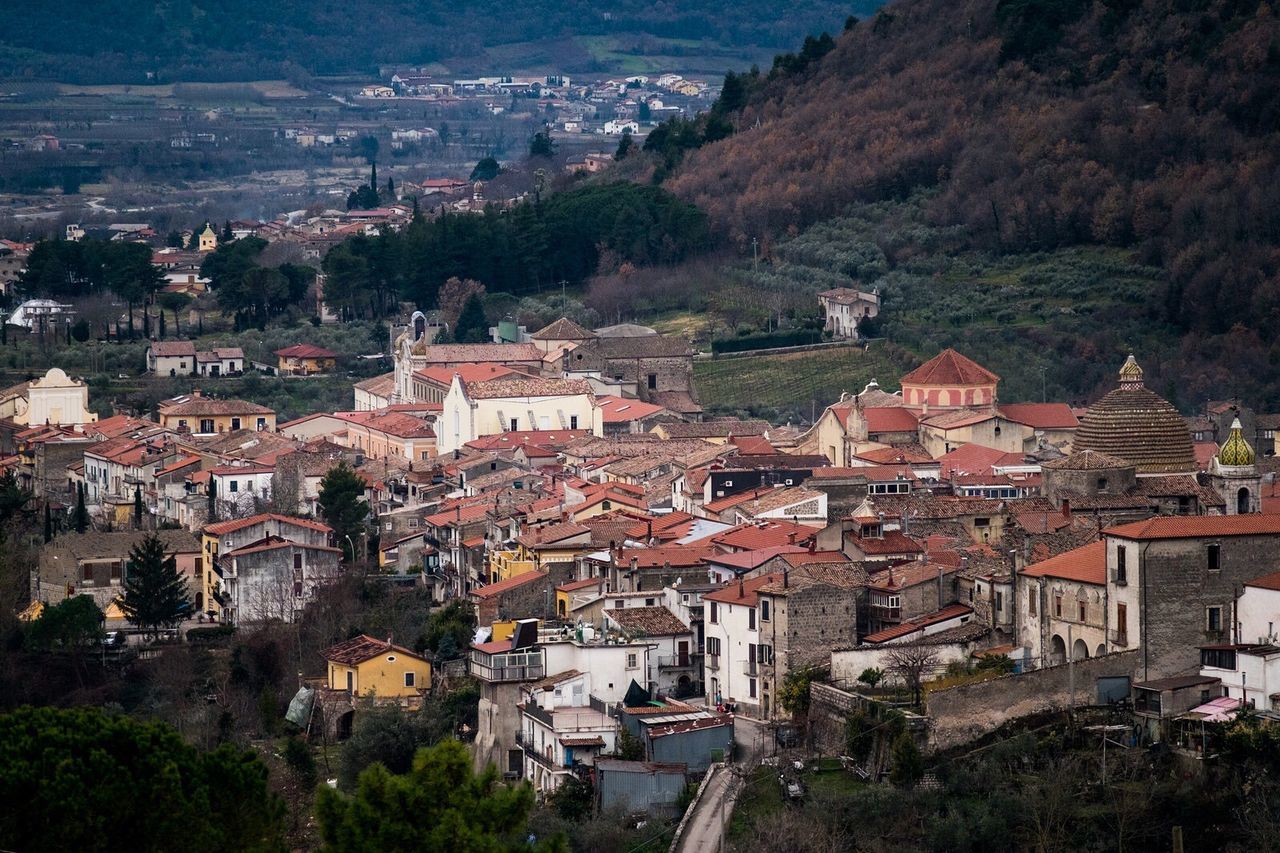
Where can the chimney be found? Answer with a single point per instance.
(791, 538)
(1066, 508)
(741, 592)
(813, 543)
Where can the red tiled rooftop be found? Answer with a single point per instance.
(1041, 415)
(890, 419)
(220, 527)
(509, 584)
(742, 592)
(1194, 526)
(951, 611)
(950, 368)
(1087, 564)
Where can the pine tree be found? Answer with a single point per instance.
(80, 521)
(342, 504)
(473, 326)
(155, 592)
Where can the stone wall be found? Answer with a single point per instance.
(829, 706)
(960, 714)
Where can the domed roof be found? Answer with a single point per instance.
(1139, 426)
(1235, 451)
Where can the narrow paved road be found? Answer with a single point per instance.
(703, 832)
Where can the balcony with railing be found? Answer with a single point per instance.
(750, 667)
(684, 661)
(522, 665)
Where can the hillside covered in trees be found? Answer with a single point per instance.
(87, 41)
(1147, 130)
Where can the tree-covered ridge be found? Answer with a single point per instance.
(1036, 125)
(532, 246)
(93, 42)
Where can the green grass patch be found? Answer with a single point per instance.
(795, 385)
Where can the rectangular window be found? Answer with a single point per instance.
(764, 611)
(235, 423)
(515, 425)
(999, 601)
(751, 687)
(573, 421)
(1083, 610)
(653, 381)
(297, 561)
(715, 613)
(713, 645)
(1057, 605)
(262, 424)
(1213, 556)
(633, 660)
(1032, 598)
(206, 425)
(1122, 565)
(766, 655)
(410, 679)
(751, 619)
(235, 486)
(1213, 619)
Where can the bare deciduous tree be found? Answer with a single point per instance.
(911, 662)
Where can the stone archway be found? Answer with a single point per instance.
(1100, 651)
(1057, 651)
(1079, 650)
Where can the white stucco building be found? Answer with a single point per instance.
(476, 409)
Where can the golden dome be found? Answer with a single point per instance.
(1235, 451)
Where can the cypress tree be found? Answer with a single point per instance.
(155, 592)
(212, 492)
(137, 507)
(80, 521)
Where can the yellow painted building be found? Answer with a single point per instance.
(204, 416)
(376, 668)
(305, 360)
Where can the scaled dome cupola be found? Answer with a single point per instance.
(1235, 451)
(1139, 426)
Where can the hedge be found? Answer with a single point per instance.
(796, 338)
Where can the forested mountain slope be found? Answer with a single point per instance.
(89, 41)
(1035, 125)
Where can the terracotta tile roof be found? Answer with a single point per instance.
(806, 557)
(890, 419)
(956, 419)
(563, 329)
(585, 583)
(493, 646)
(472, 353)
(305, 351)
(218, 528)
(496, 389)
(893, 456)
(398, 424)
(744, 592)
(273, 543)
(952, 611)
(1087, 564)
(717, 428)
(647, 621)
(677, 556)
(841, 576)
(459, 514)
(950, 368)
(1195, 526)
(775, 499)
(747, 560)
(1271, 581)
(199, 406)
(753, 445)
(363, 648)
(1041, 415)
(762, 534)
(661, 524)
(173, 349)
(443, 376)
(907, 575)
(379, 386)
(891, 542)
(846, 295)
(620, 410)
(551, 534)
(503, 586)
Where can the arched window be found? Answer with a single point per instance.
(1243, 504)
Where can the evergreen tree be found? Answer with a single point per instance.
(625, 144)
(391, 190)
(80, 520)
(155, 593)
(342, 505)
(540, 145)
(137, 507)
(227, 234)
(441, 805)
(472, 326)
(486, 170)
(373, 175)
(908, 766)
(211, 499)
(143, 785)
